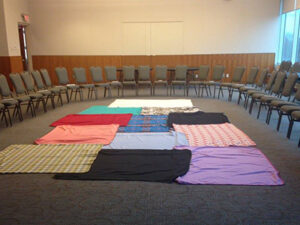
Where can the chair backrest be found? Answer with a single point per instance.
(144, 73)
(111, 73)
(285, 66)
(203, 72)
(28, 81)
(238, 74)
(4, 87)
(62, 75)
(218, 71)
(296, 68)
(181, 72)
(128, 73)
(161, 72)
(279, 81)
(79, 75)
(18, 83)
(252, 75)
(262, 78)
(271, 80)
(46, 77)
(289, 84)
(38, 79)
(96, 72)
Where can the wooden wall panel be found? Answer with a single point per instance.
(230, 61)
(10, 64)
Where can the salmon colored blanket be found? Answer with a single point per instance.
(94, 134)
(96, 119)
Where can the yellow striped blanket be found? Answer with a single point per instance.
(76, 158)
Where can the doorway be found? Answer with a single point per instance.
(23, 46)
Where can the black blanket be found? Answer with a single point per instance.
(196, 118)
(135, 165)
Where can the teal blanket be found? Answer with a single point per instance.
(101, 109)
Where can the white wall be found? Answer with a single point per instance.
(3, 39)
(12, 12)
(96, 27)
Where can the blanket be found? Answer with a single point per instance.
(101, 109)
(166, 111)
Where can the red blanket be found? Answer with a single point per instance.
(98, 119)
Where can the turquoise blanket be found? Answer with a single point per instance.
(101, 109)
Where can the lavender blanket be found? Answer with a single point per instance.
(229, 165)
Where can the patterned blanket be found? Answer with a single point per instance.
(150, 123)
(48, 158)
(166, 111)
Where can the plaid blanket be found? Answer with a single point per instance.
(166, 111)
(48, 158)
(149, 123)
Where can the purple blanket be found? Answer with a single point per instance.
(229, 165)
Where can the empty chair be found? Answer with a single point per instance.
(129, 78)
(258, 87)
(236, 79)
(257, 94)
(48, 82)
(217, 75)
(295, 117)
(144, 77)
(180, 78)
(50, 93)
(21, 93)
(30, 90)
(97, 77)
(161, 77)
(111, 77)
(200, 81)
(275, 104)
(80, 78)
(285, 66)
(8, 101)
(3, 114)
(63, 79)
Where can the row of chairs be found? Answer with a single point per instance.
(276, 95)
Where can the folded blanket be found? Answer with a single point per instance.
(196, 118)
(231, 165)
(165, 140)
(98, 119)
(218, 135)
(101, 109)
(136, 165)
(67, 134)
(48, 158)
(149, 123)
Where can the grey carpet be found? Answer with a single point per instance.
(39, 199)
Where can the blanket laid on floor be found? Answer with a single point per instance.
(166, 111)
(153, 123)
(136, 165)
(215, 135)
(231, 165)
(48, 158)
(93, 134)
(158, 141)
(98, 119)
(101, 109)
(196, 118)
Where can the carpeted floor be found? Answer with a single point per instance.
(39, 199)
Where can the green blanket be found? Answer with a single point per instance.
(101, 109)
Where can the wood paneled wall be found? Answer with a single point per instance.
(10, 64)
(230, 61)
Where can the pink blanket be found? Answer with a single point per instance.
(91, 134)
(216, 135)
(231, 165)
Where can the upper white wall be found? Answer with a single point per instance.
(12, 12)
(96, 27)
(3, 39)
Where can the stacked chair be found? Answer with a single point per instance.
(161, 78)
(97, 77)
(201, 82)
(63, 79)
(80, 78)
(180, 78)
(236, 79)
